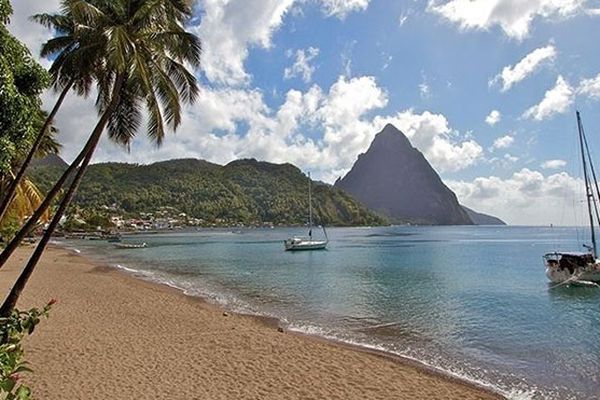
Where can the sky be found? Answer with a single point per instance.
(485, 89)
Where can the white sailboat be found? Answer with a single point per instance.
(579, 267)
(296, 243)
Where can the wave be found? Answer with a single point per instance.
(453, 372)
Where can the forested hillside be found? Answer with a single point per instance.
(245, 191)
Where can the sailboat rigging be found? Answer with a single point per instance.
(307, 243)
(583, 267)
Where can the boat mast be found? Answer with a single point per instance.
(309, 208)
(588, 192)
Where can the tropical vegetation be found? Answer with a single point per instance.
(244, 191)
(137, 52)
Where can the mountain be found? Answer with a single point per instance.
(51, 160)
(246, 191)
(394, 178)
(482, 219)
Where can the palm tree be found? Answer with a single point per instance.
(74, 68)
(144, 50)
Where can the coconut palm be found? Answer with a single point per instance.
(144, 50)
(74, 68)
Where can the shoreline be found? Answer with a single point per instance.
(424, 381)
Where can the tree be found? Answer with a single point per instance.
(22, 80)
(142, 50)
(74, 68)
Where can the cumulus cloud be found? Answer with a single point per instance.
(556, 101)
(513, 16)
(503, 142)
(228, 28)
(524, 68)
(232, 120)
(590, 87)
(493, 118)
(431, 134)
(32, 34)
(341, 8)
(229, 123)
(302, 67)
(525, 198)
(553, 164)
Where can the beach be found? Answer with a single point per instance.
(112, 335)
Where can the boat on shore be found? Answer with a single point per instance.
(298, 243)
(580, 267)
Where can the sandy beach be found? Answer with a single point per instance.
(113, 336)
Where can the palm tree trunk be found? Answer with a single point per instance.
(15, 292)
(12, 187)
(33, 220)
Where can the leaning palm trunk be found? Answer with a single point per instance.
(12, 298)
(12, 187)
(43, 207)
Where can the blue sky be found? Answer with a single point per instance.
(486, 89)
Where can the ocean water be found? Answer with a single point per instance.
(471, 301)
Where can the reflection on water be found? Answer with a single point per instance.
(470, 300)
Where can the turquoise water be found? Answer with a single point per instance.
(472, 301)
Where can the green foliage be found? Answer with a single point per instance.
(244, 191)
(12, 332)
(9, 226)
(22, 80)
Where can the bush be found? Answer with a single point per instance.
(12, 331)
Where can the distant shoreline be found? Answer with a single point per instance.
(95, 329)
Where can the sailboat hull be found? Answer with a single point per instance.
(297, 244)
(558, 276)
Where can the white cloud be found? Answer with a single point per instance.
(31, 33)
(493, 118)
(590, 87)
(553, 164)
(513, 16)
(227, 124)
(503, 142)
(431, 134)
(302, 65)
(341, 8)
(525, 198)
(556, 101)
(229, 28)
(404, 16)
(524, 68)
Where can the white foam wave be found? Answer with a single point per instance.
(511, 394)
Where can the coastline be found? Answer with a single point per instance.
(112, 335)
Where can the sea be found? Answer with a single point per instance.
(470, 301)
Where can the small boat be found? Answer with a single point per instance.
(131, 245)
(579, 267)
(297, 243)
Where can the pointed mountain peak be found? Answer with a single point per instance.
(394, 178)
(391, 136)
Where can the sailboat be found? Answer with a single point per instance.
(296, 243)
(580, 267)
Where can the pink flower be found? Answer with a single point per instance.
(52, 302)
(15, 377)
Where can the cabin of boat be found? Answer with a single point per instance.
(565, 266)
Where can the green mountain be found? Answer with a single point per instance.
(246, 191)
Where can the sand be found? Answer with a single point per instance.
(114, 336)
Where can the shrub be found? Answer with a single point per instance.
(12, 364)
